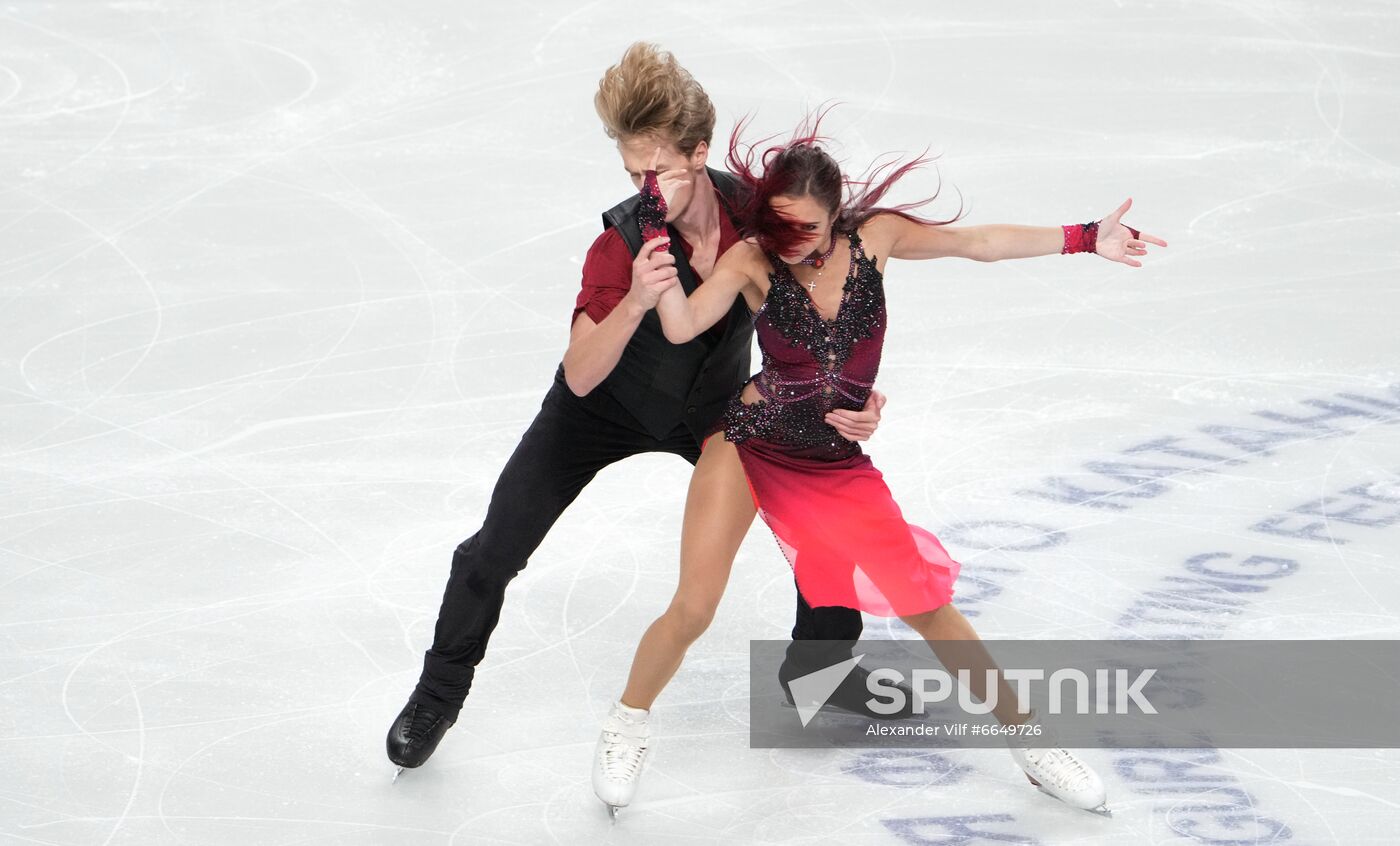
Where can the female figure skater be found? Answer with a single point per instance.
(811, 272)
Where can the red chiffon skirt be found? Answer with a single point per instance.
(844, 535)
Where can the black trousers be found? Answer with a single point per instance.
(561, 452)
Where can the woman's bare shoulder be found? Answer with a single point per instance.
(882, 232)
(880, 227)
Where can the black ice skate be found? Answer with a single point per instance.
(851, 695)
(414, 735)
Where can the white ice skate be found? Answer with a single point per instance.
(1060, 774)
(618, 759)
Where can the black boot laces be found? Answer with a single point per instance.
(423, 721)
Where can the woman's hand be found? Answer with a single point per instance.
(1119, 242)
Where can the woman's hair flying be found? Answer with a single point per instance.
(799, 167)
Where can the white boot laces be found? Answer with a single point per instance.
(1067, 770)
(622, 754)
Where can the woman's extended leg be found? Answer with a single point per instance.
(1049, 767)
(718, 513)
(958, 648)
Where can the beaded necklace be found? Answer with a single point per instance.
(820, 261)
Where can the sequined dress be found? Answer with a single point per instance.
(826, 503)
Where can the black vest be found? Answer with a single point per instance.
(656, 384)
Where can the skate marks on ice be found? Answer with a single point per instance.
(261, 359)
(1210, 594)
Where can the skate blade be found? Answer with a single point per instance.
(843, 714)
(613, 812)
(1101, 811)
(397, 772)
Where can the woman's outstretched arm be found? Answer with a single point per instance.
(908, 239)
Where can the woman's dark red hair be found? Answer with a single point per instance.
(799, 167)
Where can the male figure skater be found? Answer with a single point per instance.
(622, 389)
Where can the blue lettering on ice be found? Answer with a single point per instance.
(975, 588)
(1187, 605)
(1207, 804)
(954, 831)
(979, 584)
(1116, 485)
(1001, 534)
(906, 768)
(1215, 586)
(1358, 505)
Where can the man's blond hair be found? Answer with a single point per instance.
(649, 93)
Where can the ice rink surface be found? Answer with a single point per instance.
(282, 283)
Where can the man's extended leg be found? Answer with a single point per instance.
(559, 454)
(831, 622)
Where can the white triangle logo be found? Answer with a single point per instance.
(810, 692)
